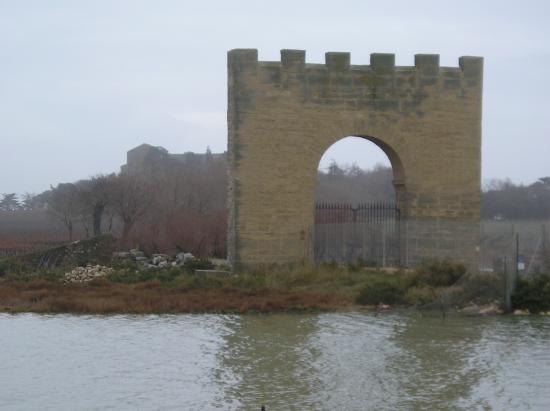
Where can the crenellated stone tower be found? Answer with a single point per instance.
(283, 115)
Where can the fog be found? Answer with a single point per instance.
(83, 82)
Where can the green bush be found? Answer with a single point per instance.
(481, 288)
(131, 276)
(532, 295)
(11, 266)
(197, 264)
(358, 265)
(436, 273)
(387, 291)
(195, 281)
(421, 295)
(169, 275)
(124, 265)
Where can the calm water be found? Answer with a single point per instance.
(352, 361)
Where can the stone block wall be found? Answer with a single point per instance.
(283, 115)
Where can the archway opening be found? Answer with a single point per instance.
(354, 170)
(359, 203)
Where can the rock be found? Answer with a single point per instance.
(219, 262)
(521, 312)
(163, 264)
(136, 253)
(141, 259)
(159, 258)
(181, 258)
(471, 309)
(383, 307)
(490, 309)
(88, 273)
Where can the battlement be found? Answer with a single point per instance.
(340, 61)
(469, 71)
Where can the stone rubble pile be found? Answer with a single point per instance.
(473, 309)
(87, 273)
(156, 260)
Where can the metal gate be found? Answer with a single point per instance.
(370, 232)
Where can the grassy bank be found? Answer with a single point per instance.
(179, 290)
(104, 297)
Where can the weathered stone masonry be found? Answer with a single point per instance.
(282, 117)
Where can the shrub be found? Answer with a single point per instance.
(386, 291)
(436, 273)
(130, 276)
(55, 275)
(166, 276)
(124, 265)
(185, 229)
(197, 264)
(195, 281)
(10, 266)
(532, 295)
(133, 276)
(358, 265)
(482, 288)
(421, 295)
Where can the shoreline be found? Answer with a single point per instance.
(102, 297)
(438, 286)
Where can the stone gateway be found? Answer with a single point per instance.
(283, 115)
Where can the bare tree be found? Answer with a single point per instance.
(63, 202)
(94, 198)
(179, 205)
(131, 197)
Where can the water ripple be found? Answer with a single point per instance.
(344, 361)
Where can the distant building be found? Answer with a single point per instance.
(149, 160)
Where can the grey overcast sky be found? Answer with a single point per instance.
(81, 82)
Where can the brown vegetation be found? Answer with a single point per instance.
(103, 297)
(16, 244)
(23, 231)
(179, 205)
(181, 290)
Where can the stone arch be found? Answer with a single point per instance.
(283, 115)
(398, 169)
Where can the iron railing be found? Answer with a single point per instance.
(345, 233)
